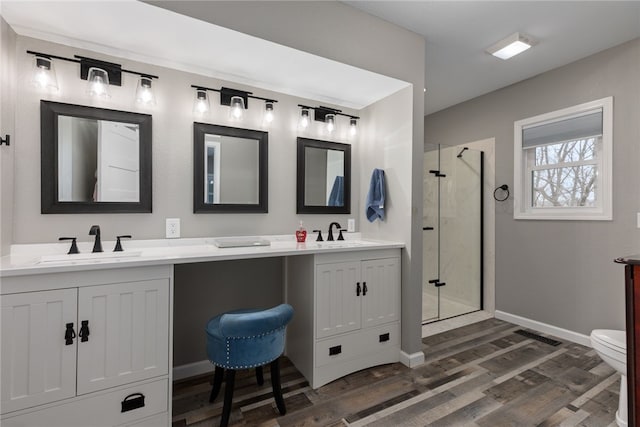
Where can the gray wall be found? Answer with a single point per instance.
(207, 289)
(7, 127)
(560, 272)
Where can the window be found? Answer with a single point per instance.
(562, 166)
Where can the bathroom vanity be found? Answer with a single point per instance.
(88, 340)
(632, 308)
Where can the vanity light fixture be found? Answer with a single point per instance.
(328, 116)
(304, 118)
(144, 93)
(44, 73)
(353, 126)
(99, 74)
(237, 100)
(330, 120)
(201, 102)
(511, 46)
(268, 112)
(236, 108)
(98, 83)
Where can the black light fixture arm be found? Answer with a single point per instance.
(86, 63)
(322, 111)
(233, 92)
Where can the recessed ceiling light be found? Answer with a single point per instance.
(511, 46)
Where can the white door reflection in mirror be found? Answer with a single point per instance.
(98, 160)
(118, 162)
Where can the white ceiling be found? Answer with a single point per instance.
(137, 31)
(458, 32)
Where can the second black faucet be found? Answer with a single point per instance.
(95, 231)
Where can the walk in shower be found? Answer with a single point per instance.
(452, 232)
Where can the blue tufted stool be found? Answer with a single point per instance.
(245, 339)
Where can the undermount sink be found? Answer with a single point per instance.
(341, 244)
(88, 257)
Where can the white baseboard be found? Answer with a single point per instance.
(545, 328)
(192, 369)
(411, 360)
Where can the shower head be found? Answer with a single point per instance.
(462, 151)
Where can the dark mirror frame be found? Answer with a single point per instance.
(49, 204)
(315, 143)
(199, 206)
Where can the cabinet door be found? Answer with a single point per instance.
(37, 365)
(337, 298)
(128, 337)
(381, 302)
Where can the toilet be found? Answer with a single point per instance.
(611, 346)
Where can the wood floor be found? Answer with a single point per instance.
(483, 374)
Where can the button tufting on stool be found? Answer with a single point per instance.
(244, 339)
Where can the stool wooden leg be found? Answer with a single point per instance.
(228, 397)
(217, 382)
(275, 384)
(259, 375)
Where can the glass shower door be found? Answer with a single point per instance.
(452, 255)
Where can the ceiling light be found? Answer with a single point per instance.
(511, 46)
(327, 115)
(237, 100)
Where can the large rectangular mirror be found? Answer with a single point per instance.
(94, 160)
(230, 169)
(324, 177)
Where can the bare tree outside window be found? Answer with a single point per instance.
(565, 174)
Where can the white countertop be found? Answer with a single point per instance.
(51, 257)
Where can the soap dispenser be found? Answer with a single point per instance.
(301, 234)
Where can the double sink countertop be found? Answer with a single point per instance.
(26, 259)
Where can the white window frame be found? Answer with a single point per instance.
(522, 184)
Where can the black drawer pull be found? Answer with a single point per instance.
(133, 401)
(358, 289)
(384, 337)
(364, 288)
(335, 350)
(438, 284)
(69, 334)
(84, 331)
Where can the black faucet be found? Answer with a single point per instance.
(330, 238)
(95, 231)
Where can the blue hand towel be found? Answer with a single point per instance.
(375, 197)
(336, 198)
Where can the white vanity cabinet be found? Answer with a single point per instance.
(351, 301)
(86, 348)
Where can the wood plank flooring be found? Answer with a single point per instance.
(479, 375)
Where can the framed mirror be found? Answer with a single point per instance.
(94, 160)
(324, 177)
(230, 169)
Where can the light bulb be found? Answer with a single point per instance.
(201, 102)
(304, 118)
(44, 75)
(144, 94)
(353, 127)
(268, 112)
(330, 119)
(237, 108)
(98, 83)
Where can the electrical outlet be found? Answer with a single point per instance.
(173, 228)
(351, 225)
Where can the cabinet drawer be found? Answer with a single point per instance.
(384, 336)
(337, 349)
(103, 409)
